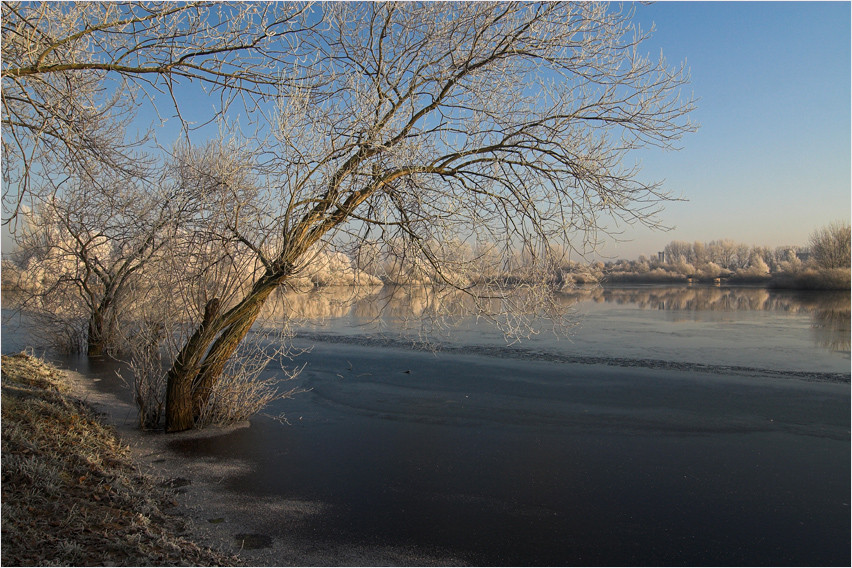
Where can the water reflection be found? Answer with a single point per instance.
(407, 307)
(829, 311)
(832, 329)
(390, 303)
(715, 299)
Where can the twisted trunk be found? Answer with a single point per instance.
(202, 360)
(222, 349)
(181, 377)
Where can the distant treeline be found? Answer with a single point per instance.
(824, 264)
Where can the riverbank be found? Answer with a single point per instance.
(83, 486)
(71, 493)
(805, 279)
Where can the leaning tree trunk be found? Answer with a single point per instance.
(184, 370)
(198, 366)
(219, 354)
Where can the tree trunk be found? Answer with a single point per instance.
(184, 370)
(100, 333)
(218, 355)
(95, 338)
(198, 366)
(179, 403)
(98, 336)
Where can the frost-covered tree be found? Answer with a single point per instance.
(85, 246)
(74, 72)
(505, 123)
(830, 245)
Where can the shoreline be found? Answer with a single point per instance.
(72, 492)
(218, 518)
(806, 280)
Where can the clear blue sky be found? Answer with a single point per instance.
(771, 161)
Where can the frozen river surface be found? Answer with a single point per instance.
(674, 426)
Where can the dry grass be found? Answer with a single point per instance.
(70, 495)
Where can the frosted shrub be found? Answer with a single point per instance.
(813, 279)
(148, 371)
(335, 269)
(709, 270)
(663, 275)
(330, 268)
(757, 271)
(243, 390)
(684, 268)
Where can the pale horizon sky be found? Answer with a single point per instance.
(771, 161)
(772, 158)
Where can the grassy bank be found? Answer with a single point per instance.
(70, 494)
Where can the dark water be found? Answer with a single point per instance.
(710, 428)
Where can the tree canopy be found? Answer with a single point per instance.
(423, 129)
(75, 73)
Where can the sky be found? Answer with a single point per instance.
(770, 162)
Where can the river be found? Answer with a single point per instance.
(669, 425)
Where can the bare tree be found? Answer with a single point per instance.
(830, 245)
(677, 249)
(73, 71)
(699, 252)
(504, 123)
(723, 252)
(153, 332)
(87, 245)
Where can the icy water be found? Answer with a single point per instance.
(699, 426)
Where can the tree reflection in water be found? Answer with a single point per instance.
(432, 310)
